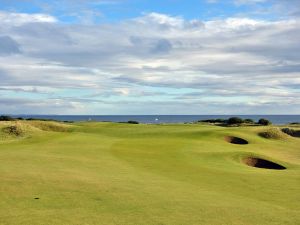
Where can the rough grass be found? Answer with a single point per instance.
(273, 133)
(11, 130)
(119, 174)
(14, 130)
(50, 126)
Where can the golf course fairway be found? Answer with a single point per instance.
(137, 174)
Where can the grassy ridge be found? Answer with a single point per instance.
(106, 173)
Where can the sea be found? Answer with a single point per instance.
(157, 119)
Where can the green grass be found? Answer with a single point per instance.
(126, 174)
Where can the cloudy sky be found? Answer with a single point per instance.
(150, 57)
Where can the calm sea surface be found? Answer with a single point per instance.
(276, 119)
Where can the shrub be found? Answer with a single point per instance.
(288, 131)
(248, 121)
(291, 132)
(6, 118)
(220, 120)
(235, 120)
(133, 122)
(264, 122)
(30, 119)
(213, 121)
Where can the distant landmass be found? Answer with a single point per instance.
(275, 119)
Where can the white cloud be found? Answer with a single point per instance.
(167, 60)
(235, 24)
(21, 18)
(249, 1)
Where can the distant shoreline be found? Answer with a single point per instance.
(156, 119)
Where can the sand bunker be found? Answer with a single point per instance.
(236, 140)
(262, 163)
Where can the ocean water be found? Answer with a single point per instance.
(276, 119)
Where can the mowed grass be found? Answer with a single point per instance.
(119, 174)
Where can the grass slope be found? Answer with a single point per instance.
(124, 174)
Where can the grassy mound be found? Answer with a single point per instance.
(10, 130)
(273, 133)
(50, 126)
(14, 130)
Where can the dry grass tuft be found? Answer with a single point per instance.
(14, 130)
(273, 133)
(50, 126)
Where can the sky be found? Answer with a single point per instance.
(138, 57)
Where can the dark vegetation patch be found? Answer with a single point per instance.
(262, 163)
(264, 122)
(10, 118)
(6, 118)
(39, 119)
(236, 140)
(273, 133)
(213, 121)
(130, 122)
(291, 132)
(133, 122)
(295, 123)
(237, 121)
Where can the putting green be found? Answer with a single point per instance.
(128, 174)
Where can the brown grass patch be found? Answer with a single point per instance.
(50, 126)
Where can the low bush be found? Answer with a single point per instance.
(264, 122)
(46, 120)
(235, 120)
(133, 122)
(291, 132)
(249, 121)
(213, 121)
(295, 123)
(6, 118)
(288, 131)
